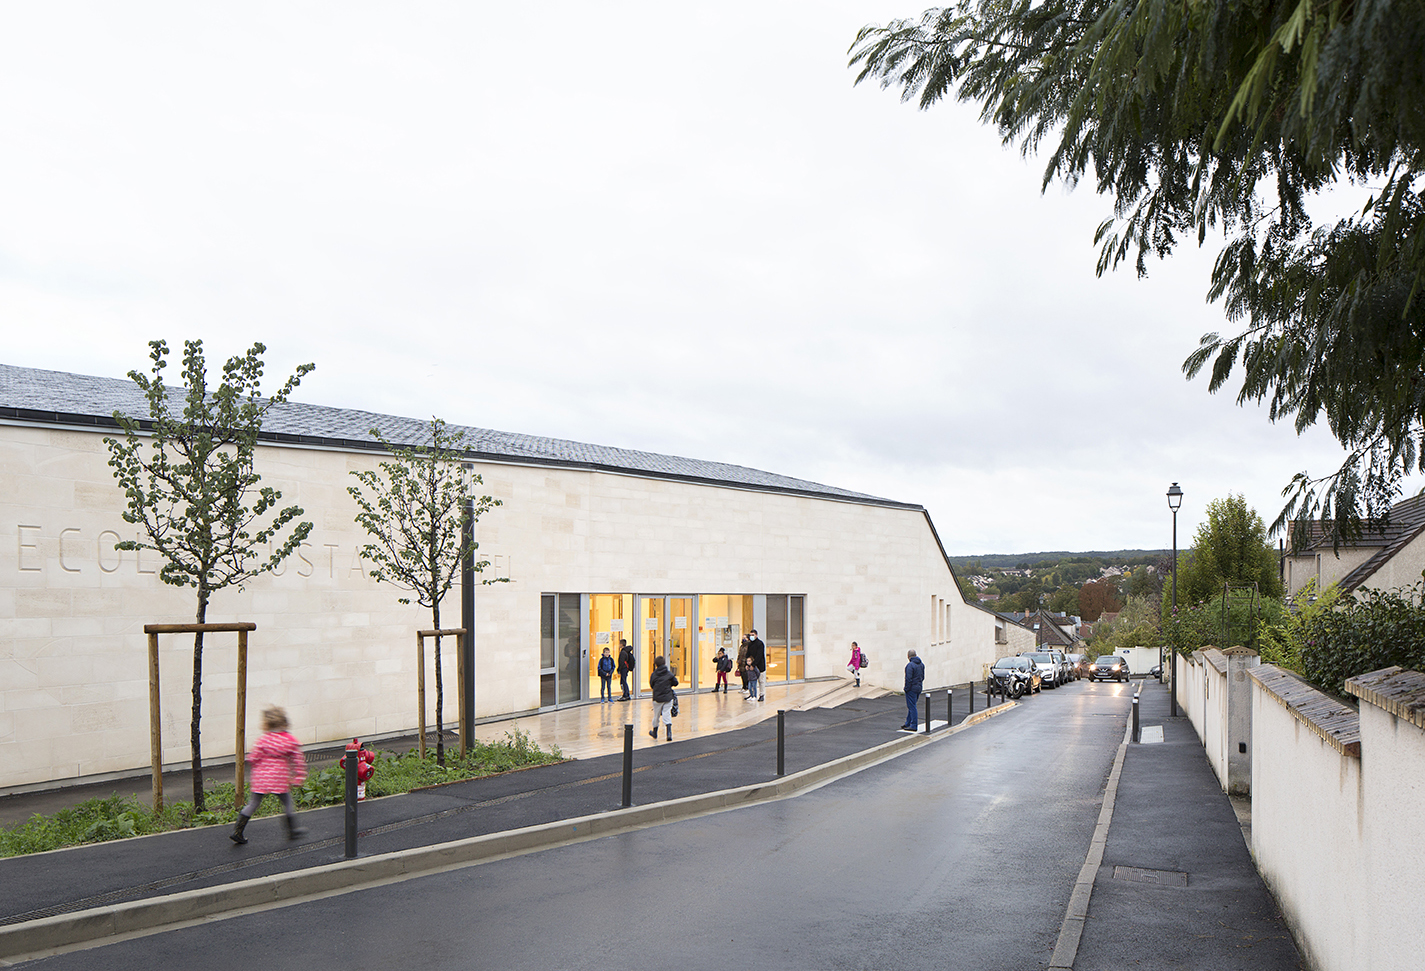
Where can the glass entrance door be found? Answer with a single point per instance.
(668, 627)
(563, 656)
(681, 633)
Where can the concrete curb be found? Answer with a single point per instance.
(86, 928)
(1066, 948)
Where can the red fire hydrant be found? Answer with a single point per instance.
(365, 766)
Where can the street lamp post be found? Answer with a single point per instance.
(1175, 500)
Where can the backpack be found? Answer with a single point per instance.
(864, 661)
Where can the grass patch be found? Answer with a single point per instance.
(119, 817)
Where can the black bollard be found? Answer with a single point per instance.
(949, 706)
(781, 742)
(627, 766)
(1137, 733)
(352, 760)
(927, 713)
(972, 695)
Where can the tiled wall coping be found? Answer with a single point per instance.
(1394, 689)
(1339, 725)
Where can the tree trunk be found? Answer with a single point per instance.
(439, 693)
(195, 735)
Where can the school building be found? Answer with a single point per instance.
(677, 555)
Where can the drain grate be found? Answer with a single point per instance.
(1156, 878)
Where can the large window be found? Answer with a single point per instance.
(688, 629)
(561, 649)
(786, 652)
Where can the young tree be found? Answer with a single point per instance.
(1214, 115)
(189, 479)
(1230, 547)
(420, 505)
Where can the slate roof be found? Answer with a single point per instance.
(58, 397)
(1406, 521)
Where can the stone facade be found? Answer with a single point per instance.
(337, 649)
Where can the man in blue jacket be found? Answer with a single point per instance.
(914, 679)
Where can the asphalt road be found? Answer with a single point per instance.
(961, 854)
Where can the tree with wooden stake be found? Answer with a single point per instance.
(189, 478)
(419, 506)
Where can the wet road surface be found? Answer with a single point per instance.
(961, 854)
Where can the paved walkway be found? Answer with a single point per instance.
(1170, 819)
(581, 732)
(1177, 887)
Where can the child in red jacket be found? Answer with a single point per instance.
(277, 766)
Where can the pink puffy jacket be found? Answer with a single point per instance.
(277, 763)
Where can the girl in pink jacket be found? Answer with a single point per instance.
(277, 766)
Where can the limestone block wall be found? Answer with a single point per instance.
(338, 650)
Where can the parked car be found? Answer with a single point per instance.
(1066, 670)
(1080, 663)
(1049, 668)
(1015, 676)
(1109, 666)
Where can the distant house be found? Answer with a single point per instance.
(1050, 629)
(1012, 635)
(1387, 556)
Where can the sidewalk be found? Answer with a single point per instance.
(1177, 887)
(107, 874)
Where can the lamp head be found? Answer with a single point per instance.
(1175, 497)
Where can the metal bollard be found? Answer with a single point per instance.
(627, 766)
(353, 753)
(926, 703)
(972, 696)
(781, 742)
(1137, 733)
(949, 706)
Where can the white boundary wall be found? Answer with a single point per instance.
(1338, 803)
(337, 650)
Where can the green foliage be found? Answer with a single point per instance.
(1375, 630)
(1206, 623)
(421, 514)
(1142, 583)
(1215, 115)
(1230, 547)
(117, 817)
(1065, 600)
(1281, 641)
(1135, 626)
(188, 479)
(192, 489)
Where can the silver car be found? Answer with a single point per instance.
(1049, 668)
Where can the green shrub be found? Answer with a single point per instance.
(117, 817)
(1376, 629)
(1281, 641)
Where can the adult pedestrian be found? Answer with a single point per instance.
(277, 766)
(914, 679)
(855, 663)
(662, 682)
(625, 666)
(742, 662)
(756, 667)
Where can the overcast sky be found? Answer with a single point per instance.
(672, 228)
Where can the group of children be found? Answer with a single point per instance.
(722, 663)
